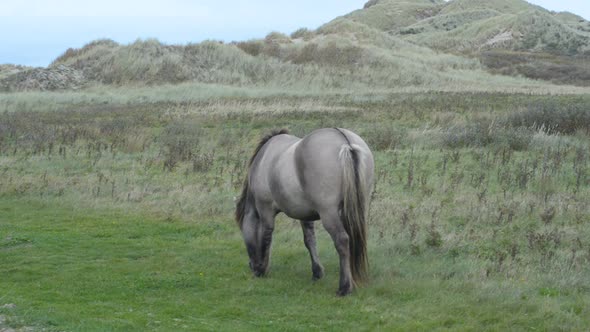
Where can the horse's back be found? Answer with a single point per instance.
(300, 177)
(319, 167)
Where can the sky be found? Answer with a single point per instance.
(34, 32)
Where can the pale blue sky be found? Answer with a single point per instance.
(34, 32)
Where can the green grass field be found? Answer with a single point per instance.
(116, 212)
(84, 269)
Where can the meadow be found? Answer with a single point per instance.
(116, 211)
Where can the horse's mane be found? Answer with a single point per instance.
(241, 206)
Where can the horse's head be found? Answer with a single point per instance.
(253, 234)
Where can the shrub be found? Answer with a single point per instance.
(332, 53)
(385, 137)
(433, 239)
(252, 47)
(517, 139)
(475, 135)
(370, 3)
(72, 53)
(277, 37)
(484, 133)
(554, 116)
(180, 142)
(559, 69)
(302, 33)
(335, 54)
(306, 54)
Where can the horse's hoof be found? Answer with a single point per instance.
(318, 273)
(259, 274)
(344, 292)
(344, 289)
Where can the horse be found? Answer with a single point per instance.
(326, 175)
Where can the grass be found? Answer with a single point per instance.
(223, 99)
(116, 212)
(549, 67)
(83, 269)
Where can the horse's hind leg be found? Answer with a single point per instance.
(332, 223)
(309, 238)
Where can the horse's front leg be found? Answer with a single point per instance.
(309, 239)
(267, 225)
(333, 224)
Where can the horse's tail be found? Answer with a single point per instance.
(353, 212)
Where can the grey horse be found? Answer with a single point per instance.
(326, 175)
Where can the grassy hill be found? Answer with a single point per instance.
(462, 25)
(357, 56)
(551, 46)
(429, 44)
(340, 55)
(389, 15)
